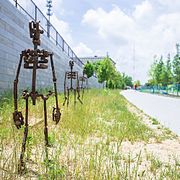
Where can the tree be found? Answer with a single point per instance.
(161, 73)
(96, 65)
(152, 80)
(89, 69)
(116, 82)
(176, 69)
(166, 75)
(105, 70)
(127, 80)
(156, 72)
(137, 83)
(149, 83)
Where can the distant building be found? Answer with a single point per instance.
(94, 59)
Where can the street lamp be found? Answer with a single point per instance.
(49, 14)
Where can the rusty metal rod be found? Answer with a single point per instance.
(54, 80)
(45, 123)
(21, 164)
(16, 84)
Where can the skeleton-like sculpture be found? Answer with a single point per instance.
(83, 81)
(34, 59)
(71, 83)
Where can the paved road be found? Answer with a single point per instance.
(165, 109)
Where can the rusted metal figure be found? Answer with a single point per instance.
(83, 81)
(71, 84)
(34, 59)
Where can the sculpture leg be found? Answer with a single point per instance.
(78, 95)
(78, 90)
(68, 97)
(21, 167)
(45, 124)
(74, 97)
(65, 99)
(56, 110)
(87, 84)
(65, 96)
(82, 93)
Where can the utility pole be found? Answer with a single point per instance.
(107, 55)
(134, 61)
(178, 49)
(169, 56)
(49, 14)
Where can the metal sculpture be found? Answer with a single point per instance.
(71, 84)
(34, 59)
(83, 81)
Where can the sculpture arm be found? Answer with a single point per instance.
(56, 110)
(17, 115)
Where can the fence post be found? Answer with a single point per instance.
(56, 38)
(68, 50)
(177, 89)
(48, 35)
(16, 3)
(72, 56)
(63, 44)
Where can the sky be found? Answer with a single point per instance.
(133, 32)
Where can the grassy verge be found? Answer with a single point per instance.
(88, 143)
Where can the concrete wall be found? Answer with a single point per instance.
(14, 37)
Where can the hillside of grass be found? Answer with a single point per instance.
(88, 142)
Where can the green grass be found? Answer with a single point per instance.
(154, 121)
(86, 144)
(104, 112)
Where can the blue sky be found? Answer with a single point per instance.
(131, 31)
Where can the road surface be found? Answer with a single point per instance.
(165, 109)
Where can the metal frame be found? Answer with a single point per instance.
(83, 81)
(34, 59)
(71, 76)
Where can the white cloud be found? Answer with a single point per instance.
(58, 7)
(144, 14)
(111, 24)
(92, 17)
(169, 5)
(143, 10)
(149, 27)
(63, 28)
(82, 50)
